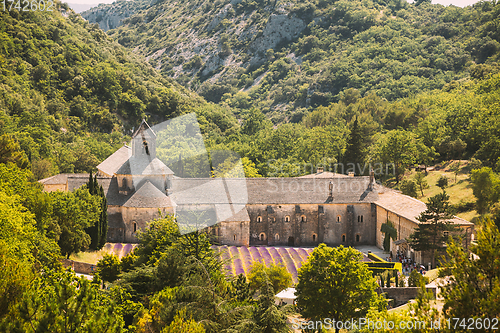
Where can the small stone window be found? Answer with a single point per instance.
(314, 237)
(262, 236)
(343, 238)
(357, 238)
(360, 218)
(287, 218)
(145, 145)
(135, 227)
(277, 237)
(234, 237)
(259, 219)
(338, 218)
(303, 218)
(321, 209)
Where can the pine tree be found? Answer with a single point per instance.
(431, 233)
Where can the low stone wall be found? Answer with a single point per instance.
(79, 267)
(404, 294)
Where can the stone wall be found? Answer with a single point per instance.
(55, 187)
(403, 225)
(234, 233)
(312, 224)
(403, 295)
(135, 219)
(79, 267)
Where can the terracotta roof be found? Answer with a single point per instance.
(110, 165)
(148, 196)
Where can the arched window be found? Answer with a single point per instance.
(262, 236)
(303, 218)
(287, 218)
(343, 238)
(314, 237)
(145, 145)
(338, 218)
(277, 237)
(357, 238)
(259, 219)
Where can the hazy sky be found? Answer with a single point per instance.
(460, 3)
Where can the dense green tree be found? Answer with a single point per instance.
(421, 182)
(474, 283)
(108, 267)
(486, 188)
(409, 187)
(397, 147)
(431, 234)
(277, 275)
(254, 121)
(10, 151)
(74, 212)
(61, 302)
(267, 317)
(160, 235)
(335, 284)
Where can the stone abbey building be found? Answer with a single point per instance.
(303, 211)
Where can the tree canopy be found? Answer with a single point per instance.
(335, 284)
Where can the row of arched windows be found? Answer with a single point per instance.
(303, 218)
(262, 237)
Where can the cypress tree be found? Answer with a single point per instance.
(98, 231)
(354, 150)
(103, 221)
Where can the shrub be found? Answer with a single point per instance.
(442, 181)
(409, 187)
(108, 267)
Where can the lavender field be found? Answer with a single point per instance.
(239, 260)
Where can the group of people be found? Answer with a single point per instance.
(408, 264)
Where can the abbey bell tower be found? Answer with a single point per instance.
(144, 142)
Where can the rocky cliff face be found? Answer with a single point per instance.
(215, 40)
(110, 16)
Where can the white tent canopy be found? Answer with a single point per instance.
(286, 296)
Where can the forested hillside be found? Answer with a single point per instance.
(287, 56)
(69, 95)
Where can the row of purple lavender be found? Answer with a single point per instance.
(239, 260)
(119, 249)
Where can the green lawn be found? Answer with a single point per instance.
(459, 190)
